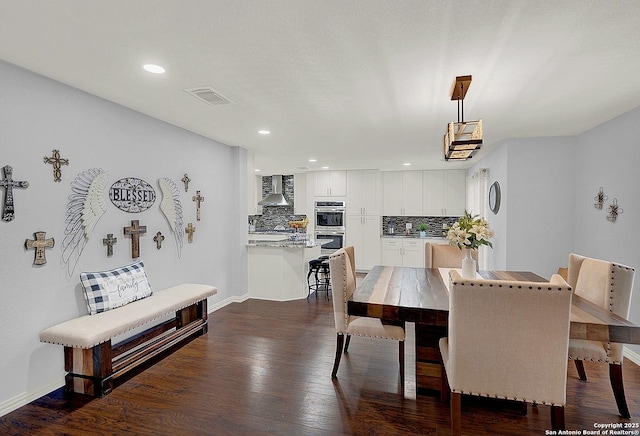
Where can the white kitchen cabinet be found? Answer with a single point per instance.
(402, 193)
(403, 252)
(363, 192)
(444, 193)
(363, 232)
(330, 183)
(455, 192)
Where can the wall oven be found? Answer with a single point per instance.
(329, 240)
(330, 225)
(330, 215)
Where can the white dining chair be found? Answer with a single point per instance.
(343, 283)
(608, 285)
(507, 340)
(444, 256)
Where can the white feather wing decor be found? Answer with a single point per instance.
(85, 208)
(172, 209)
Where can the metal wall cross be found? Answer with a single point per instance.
(8, 210)
(135, 230)
(198, 199)
(158, 238)
(40, 243)
(57, 162)
(186, 181)
(109, 241)
(190, 230)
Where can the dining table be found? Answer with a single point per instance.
(421, 296)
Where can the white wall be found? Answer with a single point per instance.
(39, 115)
(548, 189)
(609, 156)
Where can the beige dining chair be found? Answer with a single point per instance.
(343, 283)
(608, 285)
(444, 256)
(507, 340)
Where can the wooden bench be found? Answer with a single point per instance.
(93, 363)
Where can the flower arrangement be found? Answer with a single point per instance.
(470, 232)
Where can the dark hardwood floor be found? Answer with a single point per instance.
(264, 368)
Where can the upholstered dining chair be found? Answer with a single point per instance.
(343, 283)
(507, 340)
(608, 285)
(444, 256)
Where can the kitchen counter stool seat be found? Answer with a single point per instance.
(320, 269)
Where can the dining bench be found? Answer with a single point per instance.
(93, 363)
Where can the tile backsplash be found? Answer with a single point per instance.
(273, 216)
(435, 224)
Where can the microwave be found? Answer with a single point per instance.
(330, 215)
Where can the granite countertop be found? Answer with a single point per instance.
(402, 236)
(282, 244)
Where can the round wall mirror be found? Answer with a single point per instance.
(494, 197)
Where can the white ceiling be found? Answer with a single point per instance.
(352, 83)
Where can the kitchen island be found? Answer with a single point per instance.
(278, 268)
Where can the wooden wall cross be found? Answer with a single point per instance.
(8, 210)
(159, 237)
(109, 241)
(57, 162)
(135, 230)
(190, 229)
(198, 199)
(186, 181)
(40, 243)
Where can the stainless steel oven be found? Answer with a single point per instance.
(330, 215)
(329, 240)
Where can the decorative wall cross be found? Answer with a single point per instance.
(198, 199)
(190, 231)
(57, 162)
(8, 210)
(135, 230)
(186, 181)
(109, 241)
(158, 238)
(40, 243)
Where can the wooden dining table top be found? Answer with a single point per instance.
(420, 295)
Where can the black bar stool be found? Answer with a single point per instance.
(320, 269)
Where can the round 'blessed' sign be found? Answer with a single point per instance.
(132, 195)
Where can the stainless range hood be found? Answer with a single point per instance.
(275, 198)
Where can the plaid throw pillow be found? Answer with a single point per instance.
(107, 290)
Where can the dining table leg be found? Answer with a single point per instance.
(428, 360)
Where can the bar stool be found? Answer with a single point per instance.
(320, 269)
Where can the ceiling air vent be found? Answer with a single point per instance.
(208, 95)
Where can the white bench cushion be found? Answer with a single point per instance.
(90, 330)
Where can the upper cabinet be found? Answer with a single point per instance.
(330, 183)
(363, 192)
(402, 193)
(444, 192)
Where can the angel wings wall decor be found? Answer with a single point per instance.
(172, 210)
(85, 208)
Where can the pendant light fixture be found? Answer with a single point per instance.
(462, 139)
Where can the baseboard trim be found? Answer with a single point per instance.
(23, 399)
(632, 356)
(227, 301)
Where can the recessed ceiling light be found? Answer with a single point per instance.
(155, 69)
(313, 160)
(263, 132)
(325, 168)
(406, 164)
(256, 170)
